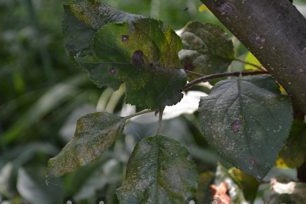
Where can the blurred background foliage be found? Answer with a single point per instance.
(42, 94)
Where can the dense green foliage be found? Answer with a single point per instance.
(242, 129)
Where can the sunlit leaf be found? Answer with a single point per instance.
(252, 59)
(83, 18)
(95, 133)
(159, 171)
(246, 122)
(207, 48)
(203, 8)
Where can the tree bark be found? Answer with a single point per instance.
(275, 32)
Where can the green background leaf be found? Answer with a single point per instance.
(293, 153)
(246, 123)
(159, 171)
(207, 48)
(95, 133)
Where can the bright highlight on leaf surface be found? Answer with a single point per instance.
(247, 121)
(159, 171)
(94, 134)
(116, 47)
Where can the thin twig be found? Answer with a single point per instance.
(260, 67)
(137, 114)
(160, 119)
(220, 75)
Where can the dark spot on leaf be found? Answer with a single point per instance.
(236, 126)
(124, 38)
(112, 70)
(138, 58)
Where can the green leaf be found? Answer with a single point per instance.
(134, 57)
(83, 18)
(116, 47)
(95, 133)
(246, 123)
(207, 48)
(293, 153)
(159, 171)
(252, 59)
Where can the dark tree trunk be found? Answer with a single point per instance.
(275, 32)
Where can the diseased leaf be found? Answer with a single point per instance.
(83, 18)
(117, 47)
(135, 58)
(159, 171)
(252, 59)
(95, 133)
(207, 48)
(246, 123)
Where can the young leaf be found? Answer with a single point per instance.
(159, 171)
(207, 48)
(95, 133)
(246, 122)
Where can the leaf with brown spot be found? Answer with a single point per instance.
(94, 134)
